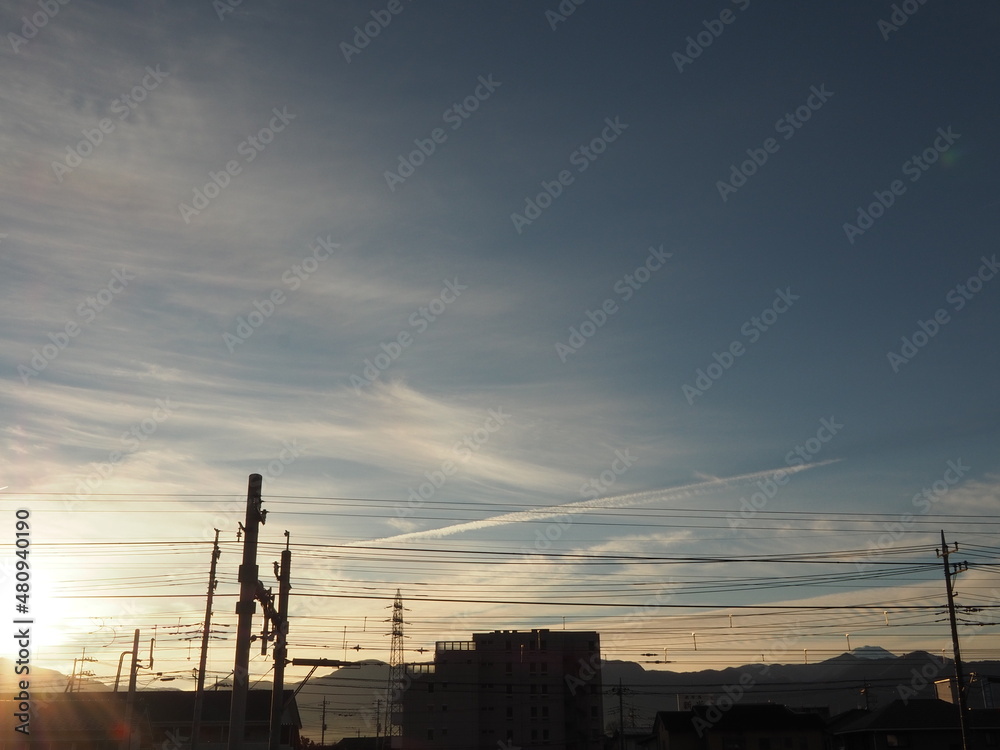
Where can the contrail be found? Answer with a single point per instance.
(628, 500)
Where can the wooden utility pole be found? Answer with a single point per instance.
(280, 619)
(949, 571)
(245, 609)
(199, 695)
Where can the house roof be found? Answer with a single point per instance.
(741, 716)
(358, 743)
(103, 713)
(100, 715)
(924, 713)
(176, 706)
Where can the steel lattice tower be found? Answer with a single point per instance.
(397, 675)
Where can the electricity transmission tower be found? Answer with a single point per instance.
(397, 676)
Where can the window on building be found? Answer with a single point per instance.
(545, 712)
(593, 711)
(897, 740)
(534, 734)
(545, 689)
(545, 734)
(508, 646)
(534, 712)
(510, 712)
(764, 743)
(532, 689)
(430, 734)
(532, 667)
(510, 690)
(509, 668)
(544, 645)
(430, 687)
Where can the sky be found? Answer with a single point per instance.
(614, 316)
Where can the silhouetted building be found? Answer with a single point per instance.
(918, 724)
(749, 726)
(527, 689)
(161, 720)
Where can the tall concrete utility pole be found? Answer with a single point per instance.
(130, 699)
(322, 726)
(245, 609)
(280, 646)
(199, 696)
(949, 571)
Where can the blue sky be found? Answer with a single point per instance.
(175, 180)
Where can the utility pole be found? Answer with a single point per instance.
(72, 676)
(245, 609)
(949, 571)
(621, 715)
(199, 696)
(280, 619)
(322, 726)
(84, 672)
(130, 700)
